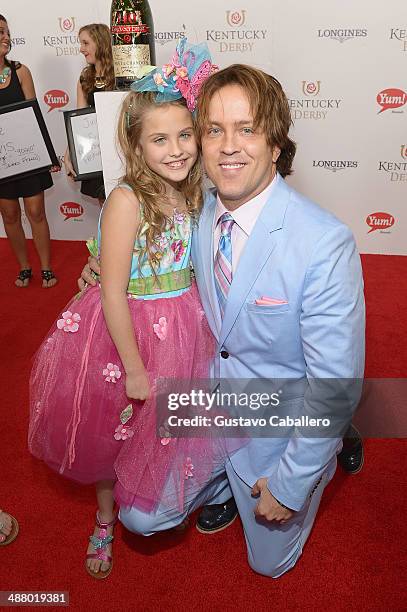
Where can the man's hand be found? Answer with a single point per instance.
(268, 507)
(87, 276)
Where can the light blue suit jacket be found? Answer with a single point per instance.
(303, 254)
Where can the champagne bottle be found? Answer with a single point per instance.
(132, 30)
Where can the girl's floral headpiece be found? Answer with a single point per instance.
(183, 77)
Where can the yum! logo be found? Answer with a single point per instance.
(391, 98)
(66, 24)
(236, 18)
(71, 210)
(56, 98)
(379, 221)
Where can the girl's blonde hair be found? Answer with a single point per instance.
(148, 186)
(100, 34)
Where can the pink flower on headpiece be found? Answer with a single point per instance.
(158, 79)
(182, 73)
(69, 321)
(168, 69)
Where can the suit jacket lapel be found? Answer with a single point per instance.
(258, 249)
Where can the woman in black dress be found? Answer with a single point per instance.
(98, 75)
(16, 85)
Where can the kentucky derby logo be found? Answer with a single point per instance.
(379, 221)
(403, 151)
(311, 89)
(391, 98)
(66, 24)
(236, 18)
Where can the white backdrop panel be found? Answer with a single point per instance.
(333, 59)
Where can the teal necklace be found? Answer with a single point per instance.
(4, 74)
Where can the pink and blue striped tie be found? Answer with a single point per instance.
(222, 267)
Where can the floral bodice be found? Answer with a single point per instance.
(173, 247)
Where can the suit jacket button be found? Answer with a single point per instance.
(224, 354)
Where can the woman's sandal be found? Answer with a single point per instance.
(14, 530)
(24, 275)
(100, 543)
(48, 275)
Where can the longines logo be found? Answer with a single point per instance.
(391, 98)
(17, 41)
(341, 35)
(396, 171)
(68, 42)
(381, 221)
(162, 38)
(399, 34)
(66, 24)
(334, 165)
(312, 107)
(238, 39)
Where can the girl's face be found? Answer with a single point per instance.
(4, 38)
(88, 47)
(168, 142)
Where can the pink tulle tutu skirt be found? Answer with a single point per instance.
(84, 426)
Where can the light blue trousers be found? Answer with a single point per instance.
(272, 549)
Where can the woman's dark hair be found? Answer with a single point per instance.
(6, 61)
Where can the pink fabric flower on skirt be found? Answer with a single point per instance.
(160, 328)
(188, 468)
(111, 372)
(69, 321)
(122, 432)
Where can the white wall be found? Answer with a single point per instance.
(331, 78)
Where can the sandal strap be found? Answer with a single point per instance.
(47, 275)
(105, 525)
(25, 274)
(100, 556)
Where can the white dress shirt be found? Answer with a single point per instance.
(245, 218)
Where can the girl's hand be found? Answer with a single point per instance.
(70, 172)
(138, 386)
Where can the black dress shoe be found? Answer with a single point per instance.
(217, 517)
(351, 456)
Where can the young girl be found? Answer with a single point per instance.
(98, 75)
(93, 372)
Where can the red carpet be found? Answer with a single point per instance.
(353, 561)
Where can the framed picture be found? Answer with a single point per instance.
(83, 142)
(25, 145)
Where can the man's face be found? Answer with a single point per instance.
(237, 158)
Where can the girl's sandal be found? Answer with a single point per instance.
(14, 530)
(48, 275)
(24, 275)
(100, 543)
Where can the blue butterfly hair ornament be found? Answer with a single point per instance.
(183, 77)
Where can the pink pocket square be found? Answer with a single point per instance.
(267, 301)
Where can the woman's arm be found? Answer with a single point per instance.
(26, 82)
(120, 221)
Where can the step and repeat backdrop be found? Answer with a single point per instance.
(342, 64)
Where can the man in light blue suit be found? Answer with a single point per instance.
(281, 283)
